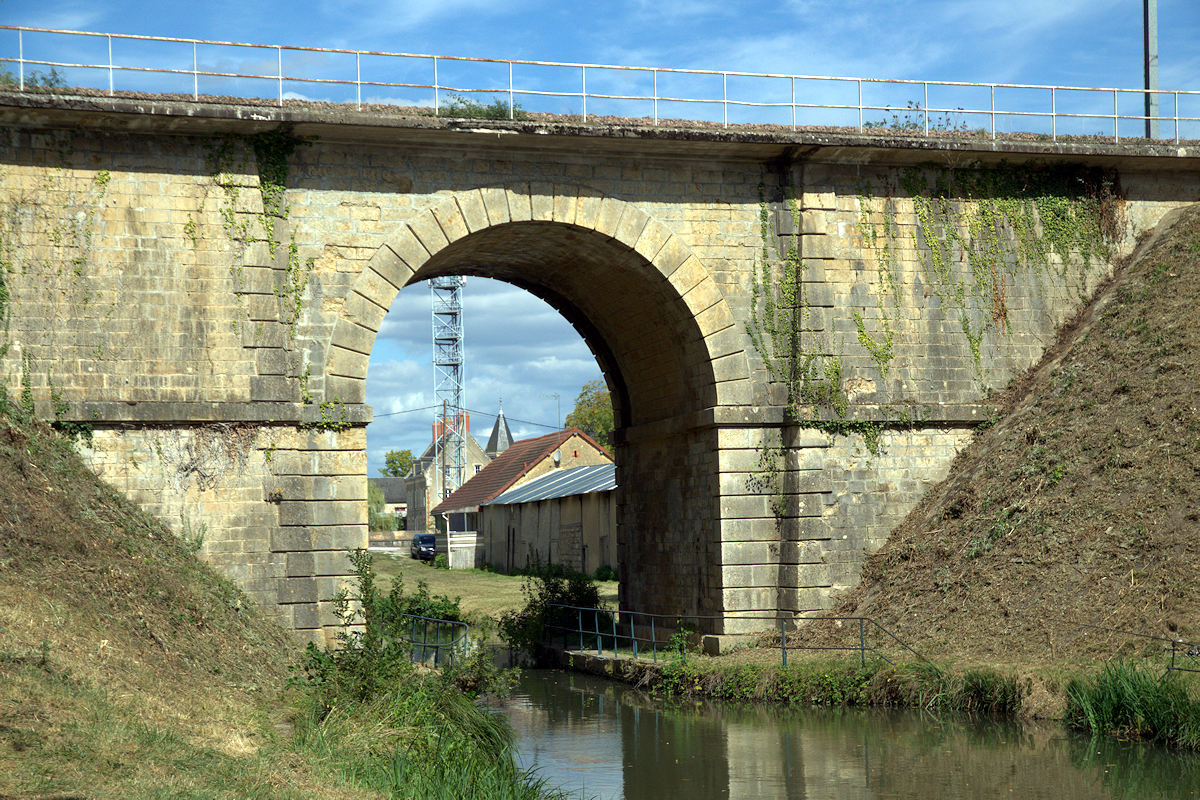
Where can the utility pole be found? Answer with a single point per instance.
(1150, 42)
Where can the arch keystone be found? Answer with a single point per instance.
(541, 201)
(587, 209)
(520, 208)
(564, 203)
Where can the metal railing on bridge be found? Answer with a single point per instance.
(123, 63)
(637, 634)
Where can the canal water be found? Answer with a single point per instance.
(600, 739)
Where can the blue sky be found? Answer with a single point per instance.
(516, 346)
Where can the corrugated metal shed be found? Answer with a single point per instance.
(561, 483)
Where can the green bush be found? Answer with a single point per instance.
(459, 106)
(526, 628)
(605, 572)
(34, 80)
(372, 655)
(441, 562)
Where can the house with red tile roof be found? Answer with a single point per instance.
(523, 461)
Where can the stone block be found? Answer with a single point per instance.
(322, 487)
(345, 389)
(749, 575)
(474, 212)
(408, 247)
(306, 616)
(495, 202)
(565, 197)
(331, 563)
(272, 388)
(449, 217)
(338, 537)
(653, 236)
(749, 599)
(299, 512)
(541, 201)
(520, 208)
(346, 363)
(290, 539)
(428, 232)
(633, 221)
(743, 552)
(300, 565)
(297, 590)
(354, 337)
(609, 218)
(390, 266)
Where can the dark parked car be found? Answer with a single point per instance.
(422, 546)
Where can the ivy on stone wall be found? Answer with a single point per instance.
(228, 157)
(999, 222)
(975, 230)
(795, 353)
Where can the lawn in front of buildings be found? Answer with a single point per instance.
(482, 592)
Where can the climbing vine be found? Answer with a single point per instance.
(781, 327)
(1001, 221)
(973, 232)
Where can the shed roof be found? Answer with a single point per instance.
(561, 483)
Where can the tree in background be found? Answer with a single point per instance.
(397, 463)
(593, 412)
(377, 518)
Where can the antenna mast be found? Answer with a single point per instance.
(450, 430)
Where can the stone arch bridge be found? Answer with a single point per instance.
(799, 329)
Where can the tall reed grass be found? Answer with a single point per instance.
(1131, 701)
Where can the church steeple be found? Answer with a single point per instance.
(501, 437)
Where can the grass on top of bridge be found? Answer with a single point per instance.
(484, 593)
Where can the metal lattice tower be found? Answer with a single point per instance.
(450, 425)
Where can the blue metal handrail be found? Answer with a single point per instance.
(614, 629)
(448, 638)
(1034, 108)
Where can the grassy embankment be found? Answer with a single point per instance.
(130, 669)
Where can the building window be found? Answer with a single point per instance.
(477, 468)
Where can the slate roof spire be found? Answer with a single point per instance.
(501, 438)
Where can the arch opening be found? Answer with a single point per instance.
(655, 361)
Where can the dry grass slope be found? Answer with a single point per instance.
(1081, 504)
(127, 667)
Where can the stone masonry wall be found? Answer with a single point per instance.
(207, 298)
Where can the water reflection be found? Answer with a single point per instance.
(609, 741)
